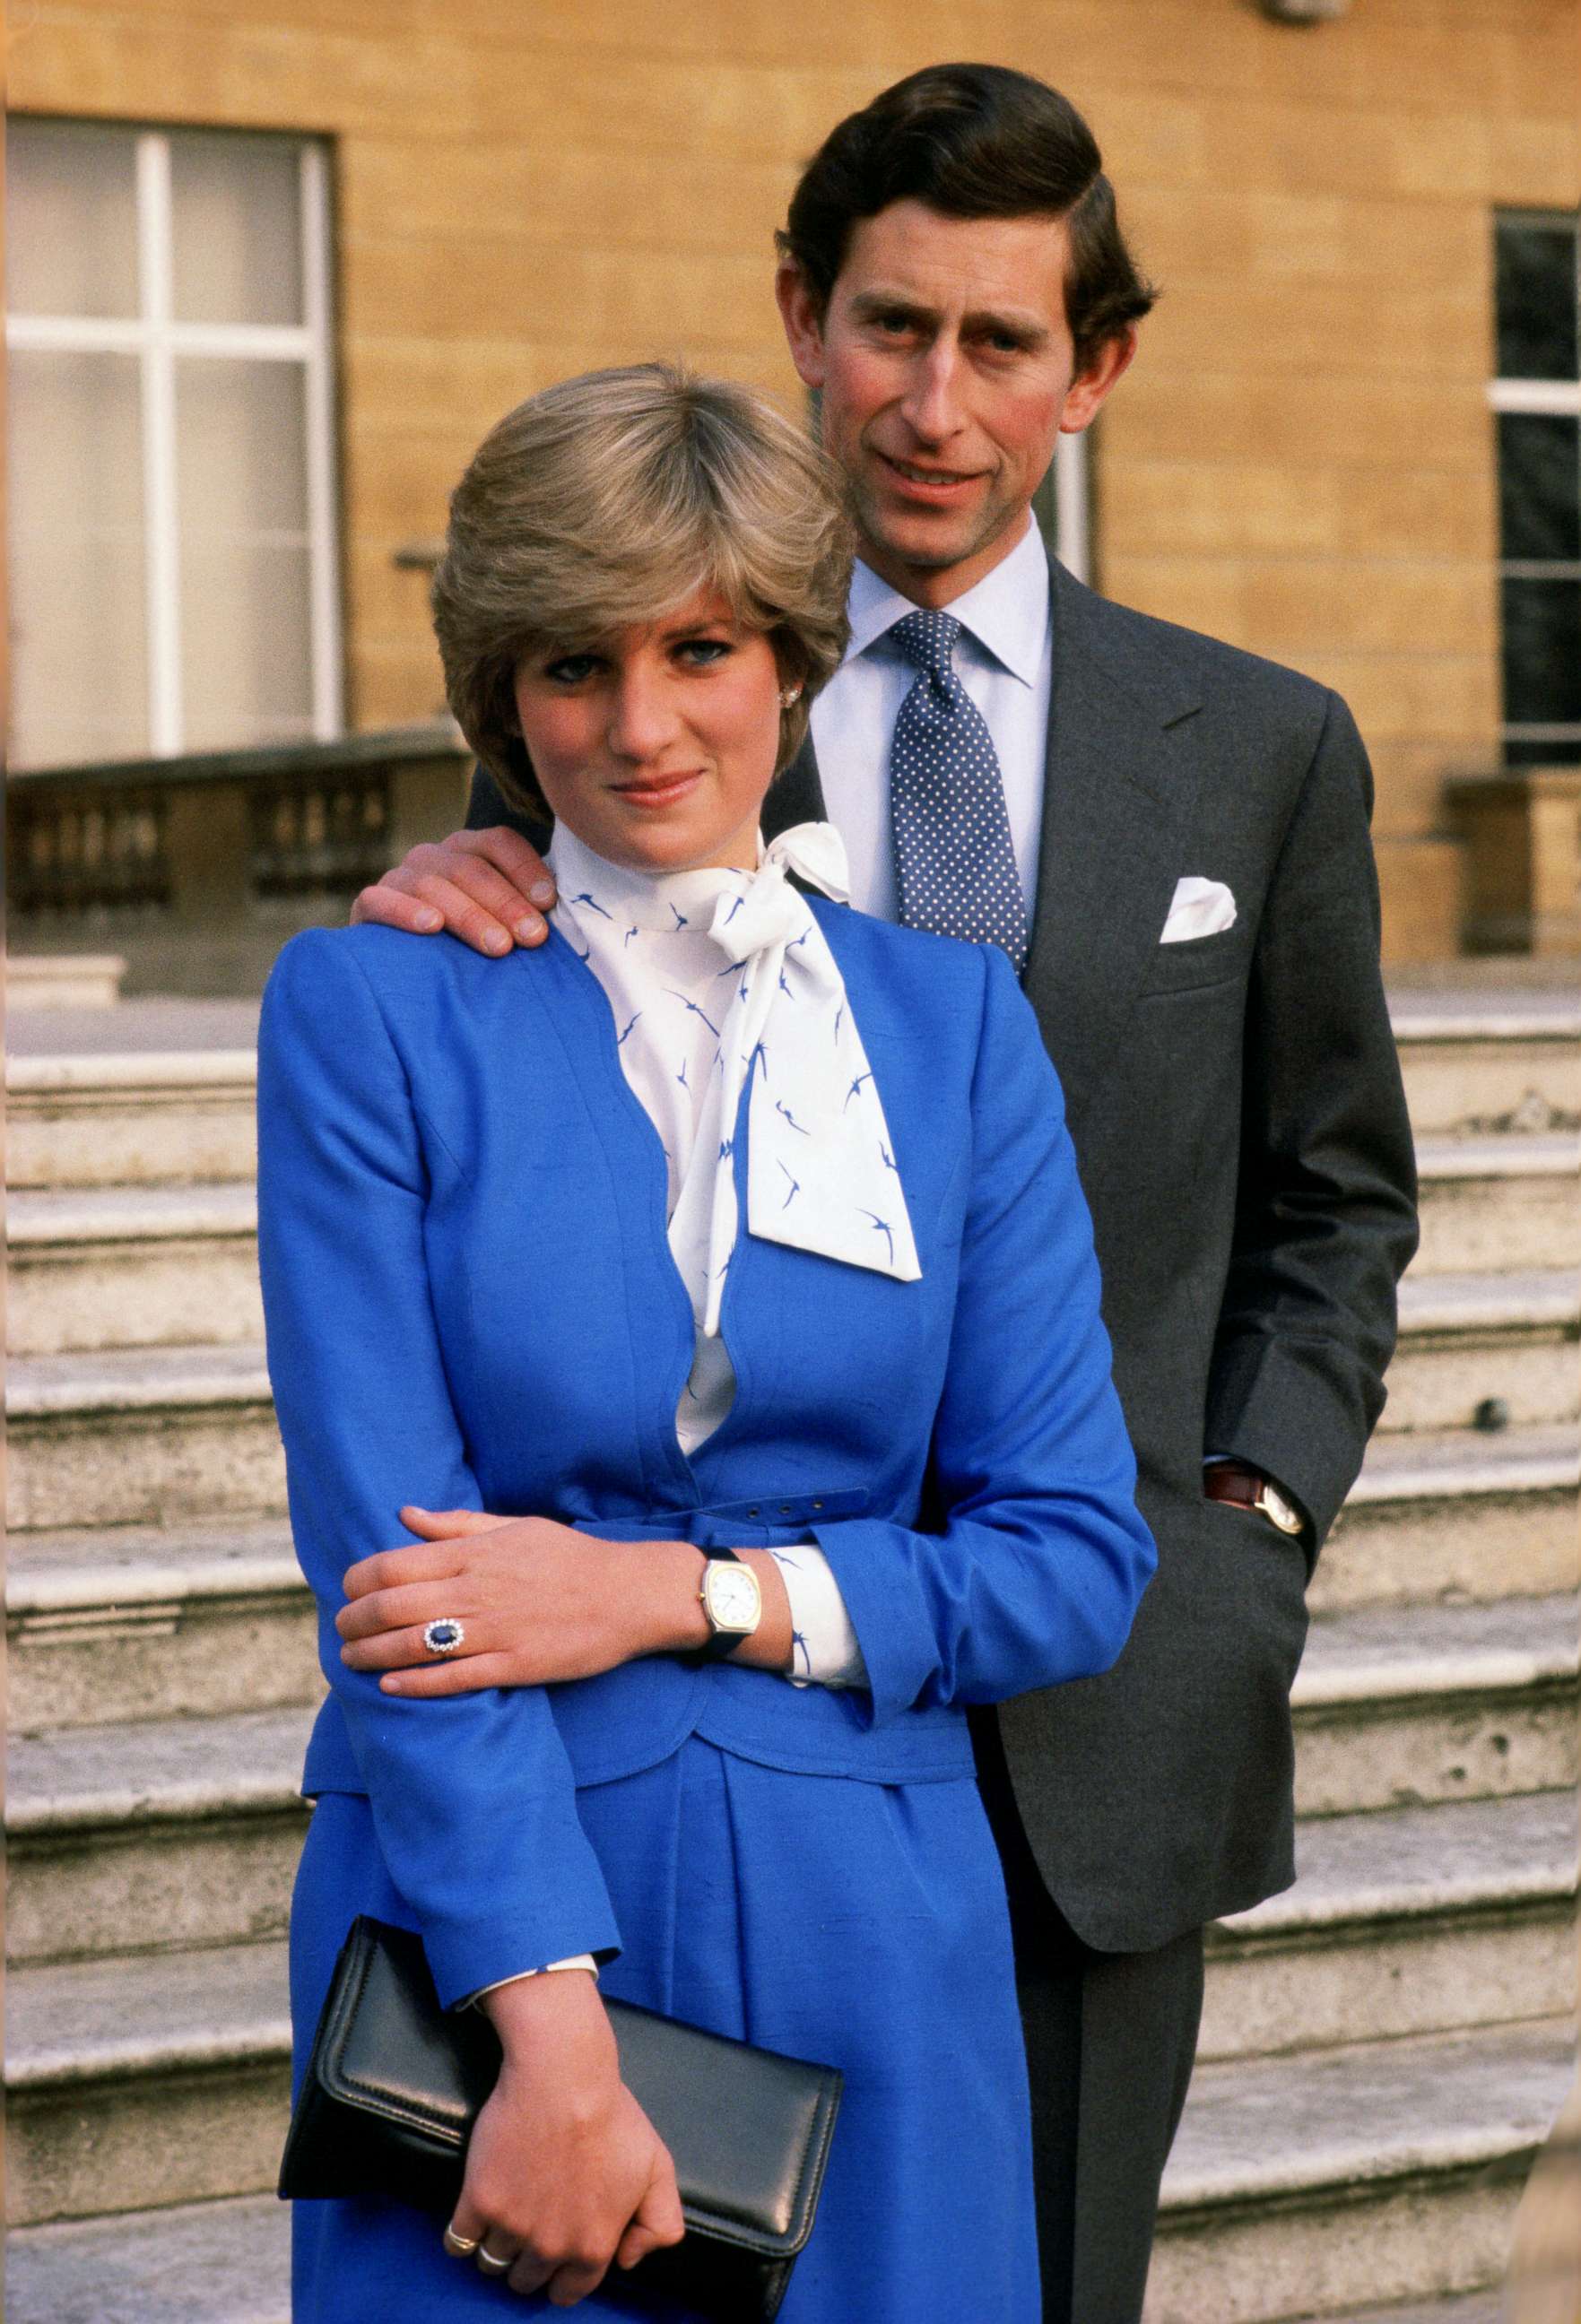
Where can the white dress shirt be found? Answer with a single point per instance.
(1005, 661)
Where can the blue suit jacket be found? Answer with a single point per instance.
(471, 1302)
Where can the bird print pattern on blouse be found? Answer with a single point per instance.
(954, 865)
(728, 977)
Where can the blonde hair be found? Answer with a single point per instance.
(604, 504)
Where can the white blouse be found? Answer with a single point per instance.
(671, 984)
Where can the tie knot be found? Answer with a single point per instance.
(927, 640)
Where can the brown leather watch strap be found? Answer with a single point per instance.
(1232, 1480)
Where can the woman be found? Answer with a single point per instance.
(731, 1223)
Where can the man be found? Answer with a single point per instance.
(1187, 827)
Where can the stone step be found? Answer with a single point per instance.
(157, 1265)
(1408, 1920)
(1469, 1339)
(146, 1622)
(225, 2263)
(1464, 2307)
(132, 1267)
(228, 2263)
(163, 1834)
(1457, 1514)
(1401, 1706)
(1492, 1203)
(63, 979)
(1380, 2171)
(140, 2082)
(152, 1118)
(1488, 1061)
(142, 1435)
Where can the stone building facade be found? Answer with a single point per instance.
(1304, 460)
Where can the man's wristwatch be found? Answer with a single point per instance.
(732, 1601)
(1249, 1489)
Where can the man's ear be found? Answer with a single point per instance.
(1091, 387)
(802, 317)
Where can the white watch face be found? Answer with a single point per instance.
(730, 1593)
(1284, 1512)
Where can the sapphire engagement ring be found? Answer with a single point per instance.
(443, 1636)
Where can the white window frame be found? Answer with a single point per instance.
(1559, 399)
(1070, 472)
(159, 341)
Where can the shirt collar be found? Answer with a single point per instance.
(1006, 613)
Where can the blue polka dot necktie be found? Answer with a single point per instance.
(954, 867)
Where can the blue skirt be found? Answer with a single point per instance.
(861, 1924)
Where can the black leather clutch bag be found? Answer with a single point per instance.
(395, 2084)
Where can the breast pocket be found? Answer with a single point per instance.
(1203, 960)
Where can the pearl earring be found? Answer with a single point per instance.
(788, 695)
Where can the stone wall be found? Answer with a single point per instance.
(1301, 461)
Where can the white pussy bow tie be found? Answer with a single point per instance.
(820, 1168)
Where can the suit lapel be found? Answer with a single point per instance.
(1119, 781)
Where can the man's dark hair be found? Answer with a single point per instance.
(973, 142)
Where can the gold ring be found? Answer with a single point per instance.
(492, 2265)
(459, 2246)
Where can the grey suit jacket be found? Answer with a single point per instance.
(1242, 1131)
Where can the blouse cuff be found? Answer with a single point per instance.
(825, 1651)
(577, 1961)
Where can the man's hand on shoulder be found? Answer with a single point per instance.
(489, 888)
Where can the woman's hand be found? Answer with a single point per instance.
(564, 2173)
(537, 1601)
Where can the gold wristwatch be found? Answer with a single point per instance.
(732, 1601)
(1249, 1489)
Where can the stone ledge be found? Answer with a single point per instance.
(1532, 1299)
(1485, 1014)
(84, 980)
(50, 1221)
(1513, 1154)
(118, 2019)
(145, 1071)
(84, 1779)
(136, 1380)
(1402, 1654)
(1458, 1463)
(55, 1574)
(222, 2262)
(1419, 1864)
(1359, 2119)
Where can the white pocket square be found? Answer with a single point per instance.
(1198, 908)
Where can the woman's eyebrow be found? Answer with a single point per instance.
(667, 632)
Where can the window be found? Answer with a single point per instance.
(175, 581)
(1537, 398)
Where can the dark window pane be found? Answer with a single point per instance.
(1536, 271)
(1539, 485)
(1518, 753)
(1542, 653)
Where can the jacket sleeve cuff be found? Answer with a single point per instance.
(535, 1918)
(1275, 1413)
(894, 1637)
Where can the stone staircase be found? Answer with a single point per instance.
(1383, 2047)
